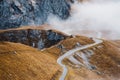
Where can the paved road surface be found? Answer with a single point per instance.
(70, 52)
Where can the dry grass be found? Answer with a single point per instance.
(69, 43)
(42, 27)
(20, 62)
(82, 74)
(116, 43)
(107, 62)
(107, 59)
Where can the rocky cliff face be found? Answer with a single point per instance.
(33, 37)
(15, 13)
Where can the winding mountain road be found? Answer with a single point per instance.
(70, 52)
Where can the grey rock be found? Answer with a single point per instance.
(16, 13)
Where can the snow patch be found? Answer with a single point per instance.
(73, 60)
(33, 44)
(85, 57)
(41, 44)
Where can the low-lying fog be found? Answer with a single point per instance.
(91, 19)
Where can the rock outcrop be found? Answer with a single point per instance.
(37, 38)
(15, 13)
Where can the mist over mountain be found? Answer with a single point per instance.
(59, 40)
(90, 17)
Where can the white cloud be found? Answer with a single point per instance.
(97, 16)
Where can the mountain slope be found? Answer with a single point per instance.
(20, 62)
(67, 44)
(98, 62)
(101, 61)
(38, 37)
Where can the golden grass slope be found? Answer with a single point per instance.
(68, 44)
(20, 62)
(44, 27)
(106, 59)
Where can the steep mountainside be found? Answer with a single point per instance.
(15, 13)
